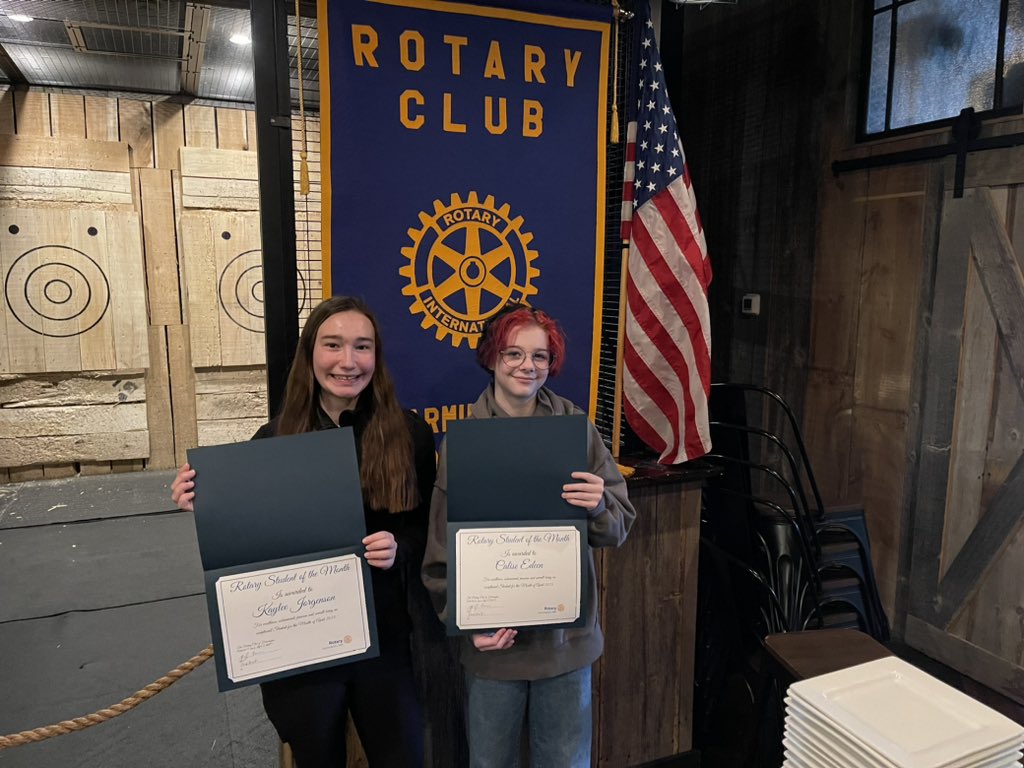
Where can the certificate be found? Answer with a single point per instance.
(517, 576)
(306, 613)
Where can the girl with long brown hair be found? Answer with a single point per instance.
(338, 378)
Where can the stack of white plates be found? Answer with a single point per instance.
(889, 714)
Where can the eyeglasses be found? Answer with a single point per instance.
(513, 357)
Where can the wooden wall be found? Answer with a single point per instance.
(766, 94)
(182, 177)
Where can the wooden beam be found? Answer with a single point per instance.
(160, 240)
(944, 339)
(44, 152)
(1002, 280)
(985, 667)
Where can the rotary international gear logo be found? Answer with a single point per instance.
(467, 260)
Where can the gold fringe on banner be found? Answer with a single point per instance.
(303, 165)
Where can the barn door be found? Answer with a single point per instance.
(966, 575)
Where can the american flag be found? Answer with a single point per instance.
(667, 347)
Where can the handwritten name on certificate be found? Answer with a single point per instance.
(277, 619)
(516, 577)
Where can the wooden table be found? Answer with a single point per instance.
(820, 651)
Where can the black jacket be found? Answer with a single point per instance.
(395, 587)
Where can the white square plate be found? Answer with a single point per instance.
(905, 715)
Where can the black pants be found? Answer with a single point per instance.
(309, 711)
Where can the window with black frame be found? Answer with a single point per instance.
(929, 59)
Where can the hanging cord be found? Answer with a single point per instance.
(615, 75)
(81, 723)
(303, 165)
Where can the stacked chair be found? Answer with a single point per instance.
(765, 508)
(773, 559)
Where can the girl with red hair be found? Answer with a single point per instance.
(539, 674)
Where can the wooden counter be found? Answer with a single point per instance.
(643, 684)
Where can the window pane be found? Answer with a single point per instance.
(878, 84)
(882, 4)
(945, 59)
(1013, 62)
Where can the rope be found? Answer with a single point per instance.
(81, 723)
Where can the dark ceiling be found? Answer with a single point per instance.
(162, 47)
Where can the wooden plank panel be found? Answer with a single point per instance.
(215, 382)
(169, 127)
(122, 466)
(135, 121)
(231, 405)
(158, 401)
(72, 420)
(993, 169)
(200, 126)
(974, 398)
(38, 335)
(985, 546)
(5, 476)
(943, 363)
(1002, 279)
(250, 130)
(890, 276)
(32, 113)
(6, 110)
(83, 154)
(880, 466)
(199, 267)
(650, 582)
(220, 194)
(218, 164)
(87, 233)
(986, 668)
(29, 186)
(67, 115)
(240, 289)
(16, 451)
(231, 131)
(223, 431)
(991, 619)
(59, 471)
(92, 468)
(183, 391)
(161, 247)
(828, 433)
(25, 474)
(58, 390)
(128, 290)
(101, 119)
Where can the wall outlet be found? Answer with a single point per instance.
(750, 304)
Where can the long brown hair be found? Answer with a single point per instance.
(386, 470)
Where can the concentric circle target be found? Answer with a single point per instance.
(57, 291)
(240, 290)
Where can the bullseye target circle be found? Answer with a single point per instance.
(240, 290)
(56, 291)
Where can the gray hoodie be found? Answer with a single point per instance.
(538, 653)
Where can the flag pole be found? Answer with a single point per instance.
(619, 368)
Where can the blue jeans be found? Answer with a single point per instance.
(560, 720)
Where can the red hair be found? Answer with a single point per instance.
(500, 328)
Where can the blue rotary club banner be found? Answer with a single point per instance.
(463, 147)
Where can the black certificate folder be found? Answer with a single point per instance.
(514, 468)
(277, 503)
(505, 479)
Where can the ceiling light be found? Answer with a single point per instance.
(19, 17)
(241, 39)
